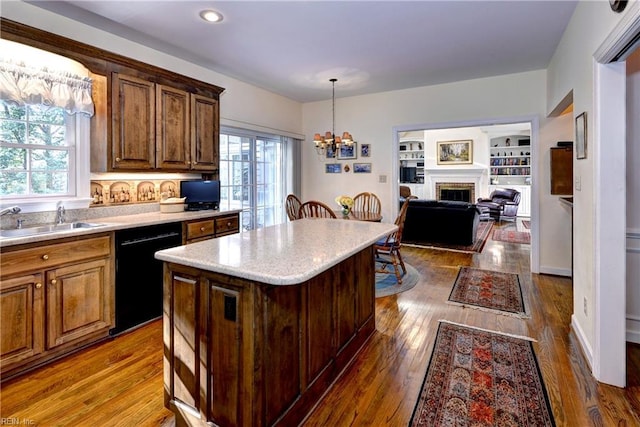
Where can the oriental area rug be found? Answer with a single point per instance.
(387, 284)
(489, 291)
(481, 378)
(482, 233)
(511, 236)
(526, 224)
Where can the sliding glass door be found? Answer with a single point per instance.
(253, 171)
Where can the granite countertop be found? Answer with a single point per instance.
(113, 223)
(285, 254)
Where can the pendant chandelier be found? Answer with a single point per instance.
(330, 141)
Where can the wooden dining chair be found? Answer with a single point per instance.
(315, 209)
(367, 202)
(387, 250)
(292, 205)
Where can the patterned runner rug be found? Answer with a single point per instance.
(511, 236)
(481, 378)
(526, 224)
(482, 233)
(488, 290)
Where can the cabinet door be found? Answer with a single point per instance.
(172, 128)
(21, 318)
(133, 136)
(205, 134)
(78, 301)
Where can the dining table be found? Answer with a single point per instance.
(360, 216)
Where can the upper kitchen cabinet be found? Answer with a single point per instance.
(133, 141)
(159, 127)
(205, 133)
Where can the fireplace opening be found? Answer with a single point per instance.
(456, 191)
(456, 195)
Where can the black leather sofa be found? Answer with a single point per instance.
(432, 221)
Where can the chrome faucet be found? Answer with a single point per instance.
(11, 210)
(60, 212)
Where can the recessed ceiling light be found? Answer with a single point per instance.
(211, 16)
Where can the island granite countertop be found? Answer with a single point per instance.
(285, 254)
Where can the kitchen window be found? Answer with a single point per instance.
(45, 110)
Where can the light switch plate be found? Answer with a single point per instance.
(382, 179)
(578, 184)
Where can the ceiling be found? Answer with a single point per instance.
(293, 48)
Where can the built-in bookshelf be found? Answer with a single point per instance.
(510, 162)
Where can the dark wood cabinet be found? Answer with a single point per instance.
(203, 229)
(133, 118)
(561, 170)
(54, 298)
(240, 352)
(172, 128)
(205, 133)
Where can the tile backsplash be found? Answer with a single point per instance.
(122, 192)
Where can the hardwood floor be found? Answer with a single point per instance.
(119, 382)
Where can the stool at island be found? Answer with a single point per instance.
(259, 325)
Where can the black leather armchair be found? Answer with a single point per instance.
(502, 204)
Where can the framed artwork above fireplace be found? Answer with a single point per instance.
(455, 152)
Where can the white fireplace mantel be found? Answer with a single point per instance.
(478, 176)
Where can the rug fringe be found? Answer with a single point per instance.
(522, 337)
(491, 310)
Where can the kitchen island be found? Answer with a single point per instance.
(258, 325)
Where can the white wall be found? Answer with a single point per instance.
(371, 118)
(572, 70)
(633, 197)
(555, 218)
(241, 104)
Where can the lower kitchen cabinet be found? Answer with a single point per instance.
(208, 228)
(54, 298)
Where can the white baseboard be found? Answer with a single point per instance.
(633, 329)
(584, 344)
(556, 271)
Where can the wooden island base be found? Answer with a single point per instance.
(245, 353)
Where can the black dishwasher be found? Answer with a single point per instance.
(139, 274)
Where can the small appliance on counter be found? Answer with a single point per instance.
(172, 204)
(200, 194)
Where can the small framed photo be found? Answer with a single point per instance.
(364, 150)
(362, 168)
(581, 136)
(330, 153)
(333, 168)
(347, 152)
(455, 152)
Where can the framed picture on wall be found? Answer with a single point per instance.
(347, 152)
(581, 136)
(455, 152)
(362, 168)
(364, 150)
(333, 168)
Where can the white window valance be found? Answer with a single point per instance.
(22, 85)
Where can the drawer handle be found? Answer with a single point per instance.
(117, 159)
(45, 257)
(54, 282)
(38, 285)
(229, 224)
(201, 228)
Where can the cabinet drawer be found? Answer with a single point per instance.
(54, 254)
(226, 225)
(197, 229)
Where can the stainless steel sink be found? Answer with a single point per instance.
(45, 229)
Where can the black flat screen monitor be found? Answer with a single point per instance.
(200, 194)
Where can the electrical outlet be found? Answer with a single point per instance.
(578, 183)
(584, 301)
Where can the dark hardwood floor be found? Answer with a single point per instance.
(119, 382)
